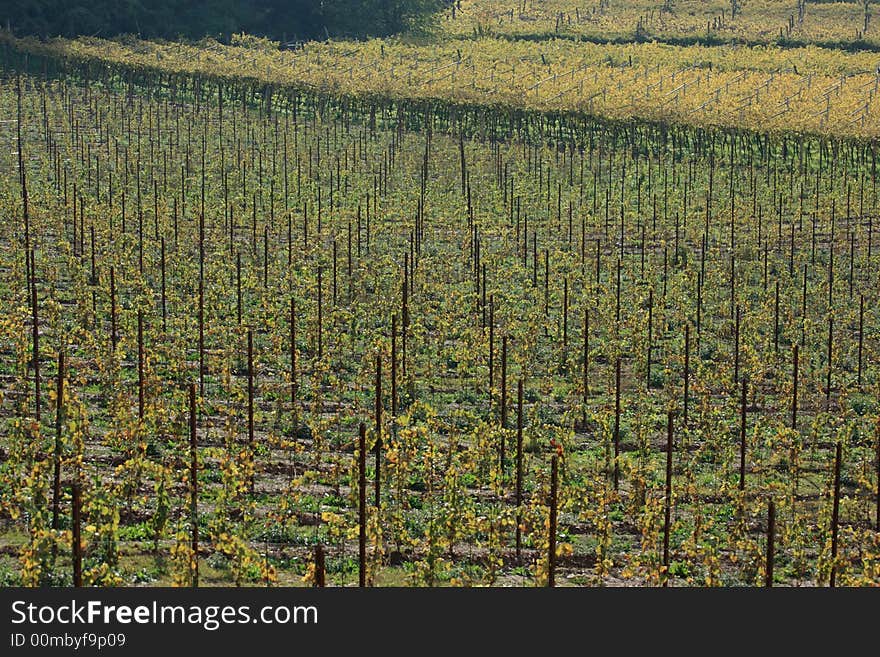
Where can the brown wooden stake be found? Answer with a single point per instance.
(687, 372)
(194, 485)
(650, 338)
(667, 511)
(378, 445)
(362, 505)
(164, 304)
(93, 279)
(835, 514)
(293, 375)
(519, 465)
(794, 386)
(503, 401)
(319, 566)
(503, 396)
(742, 437)
(250, 410)
(35, 325)
(617, 424)
(586, 362)
(551, 549)
(736, 348)
(771, 537)
(59, 421)
(140, 364)
(404, 320)
(201, 305)
(394, 365)
(113, 338)
(77, 535)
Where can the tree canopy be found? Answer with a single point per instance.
(279, 19)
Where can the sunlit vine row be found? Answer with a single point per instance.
(818, 91)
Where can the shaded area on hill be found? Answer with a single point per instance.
(279, 19)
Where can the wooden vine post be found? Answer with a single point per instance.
(551, 548)
(250, 405)
(835, 514)
(193, 485)
(293, 374)
(59, 423)
(771, 537)
(617, 424)
(742, 436)
(519, 466)
(794, 387)
(377, 448)
(320, 567)
(362, 505)
(76, 525)
(667, 505)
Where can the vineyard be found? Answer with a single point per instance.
(835, 24)
(468, 313)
